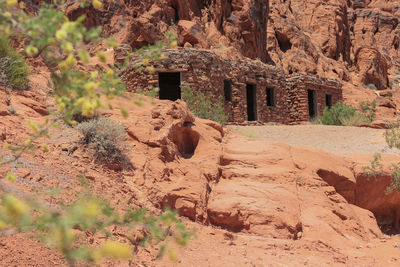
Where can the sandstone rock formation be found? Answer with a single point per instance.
(263, 197)
(241, 24)
(261, 202)
(250, 186)
(354, 41)
(344, 34)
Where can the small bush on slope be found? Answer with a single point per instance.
(369, 109)
(392, 137)
(13, 68)
(342, 114)
(206, 107)
(105, 137)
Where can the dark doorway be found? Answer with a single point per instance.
(169, 84)
(312, 104)
(228, 90)
(251, 102)
(328, 101)
(270, 97)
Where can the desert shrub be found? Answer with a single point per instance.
(13, 68)
(354, 120)
(204, 106)
(105, 137)
(392, 137)
(342, 114)
(334, 115)
(368, 109)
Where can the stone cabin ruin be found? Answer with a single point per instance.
(251, 90)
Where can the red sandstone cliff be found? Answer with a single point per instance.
(354, 41)
(202, 24)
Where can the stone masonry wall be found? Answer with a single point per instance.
(299, 84)
(204, 70)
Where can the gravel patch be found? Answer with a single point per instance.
(336, 139)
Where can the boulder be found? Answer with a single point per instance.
(189, 32)
(372, 66)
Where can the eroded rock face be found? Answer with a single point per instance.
(239, 24)
(190, 32)
(360, 36)
(372, 194)
(375, 27)
(275, 190)
(255, 207)
(310, 37)
(93, 16)
(372, 67)
(293, 201)
(354, 41)
(176, 156)
(327, 21)
(374, 38)
(345, 185)
(250, 186)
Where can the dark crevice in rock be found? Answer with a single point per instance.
(283, 42)
(343, 185)
(186, 139)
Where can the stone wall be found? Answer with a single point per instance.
(204, 70)
(298, 86)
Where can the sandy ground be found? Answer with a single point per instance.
(336, 139)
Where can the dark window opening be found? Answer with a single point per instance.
(328, 100)
(270, 97)
(169, 84)
(251, 96)
(312, 104)
(228, 90)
